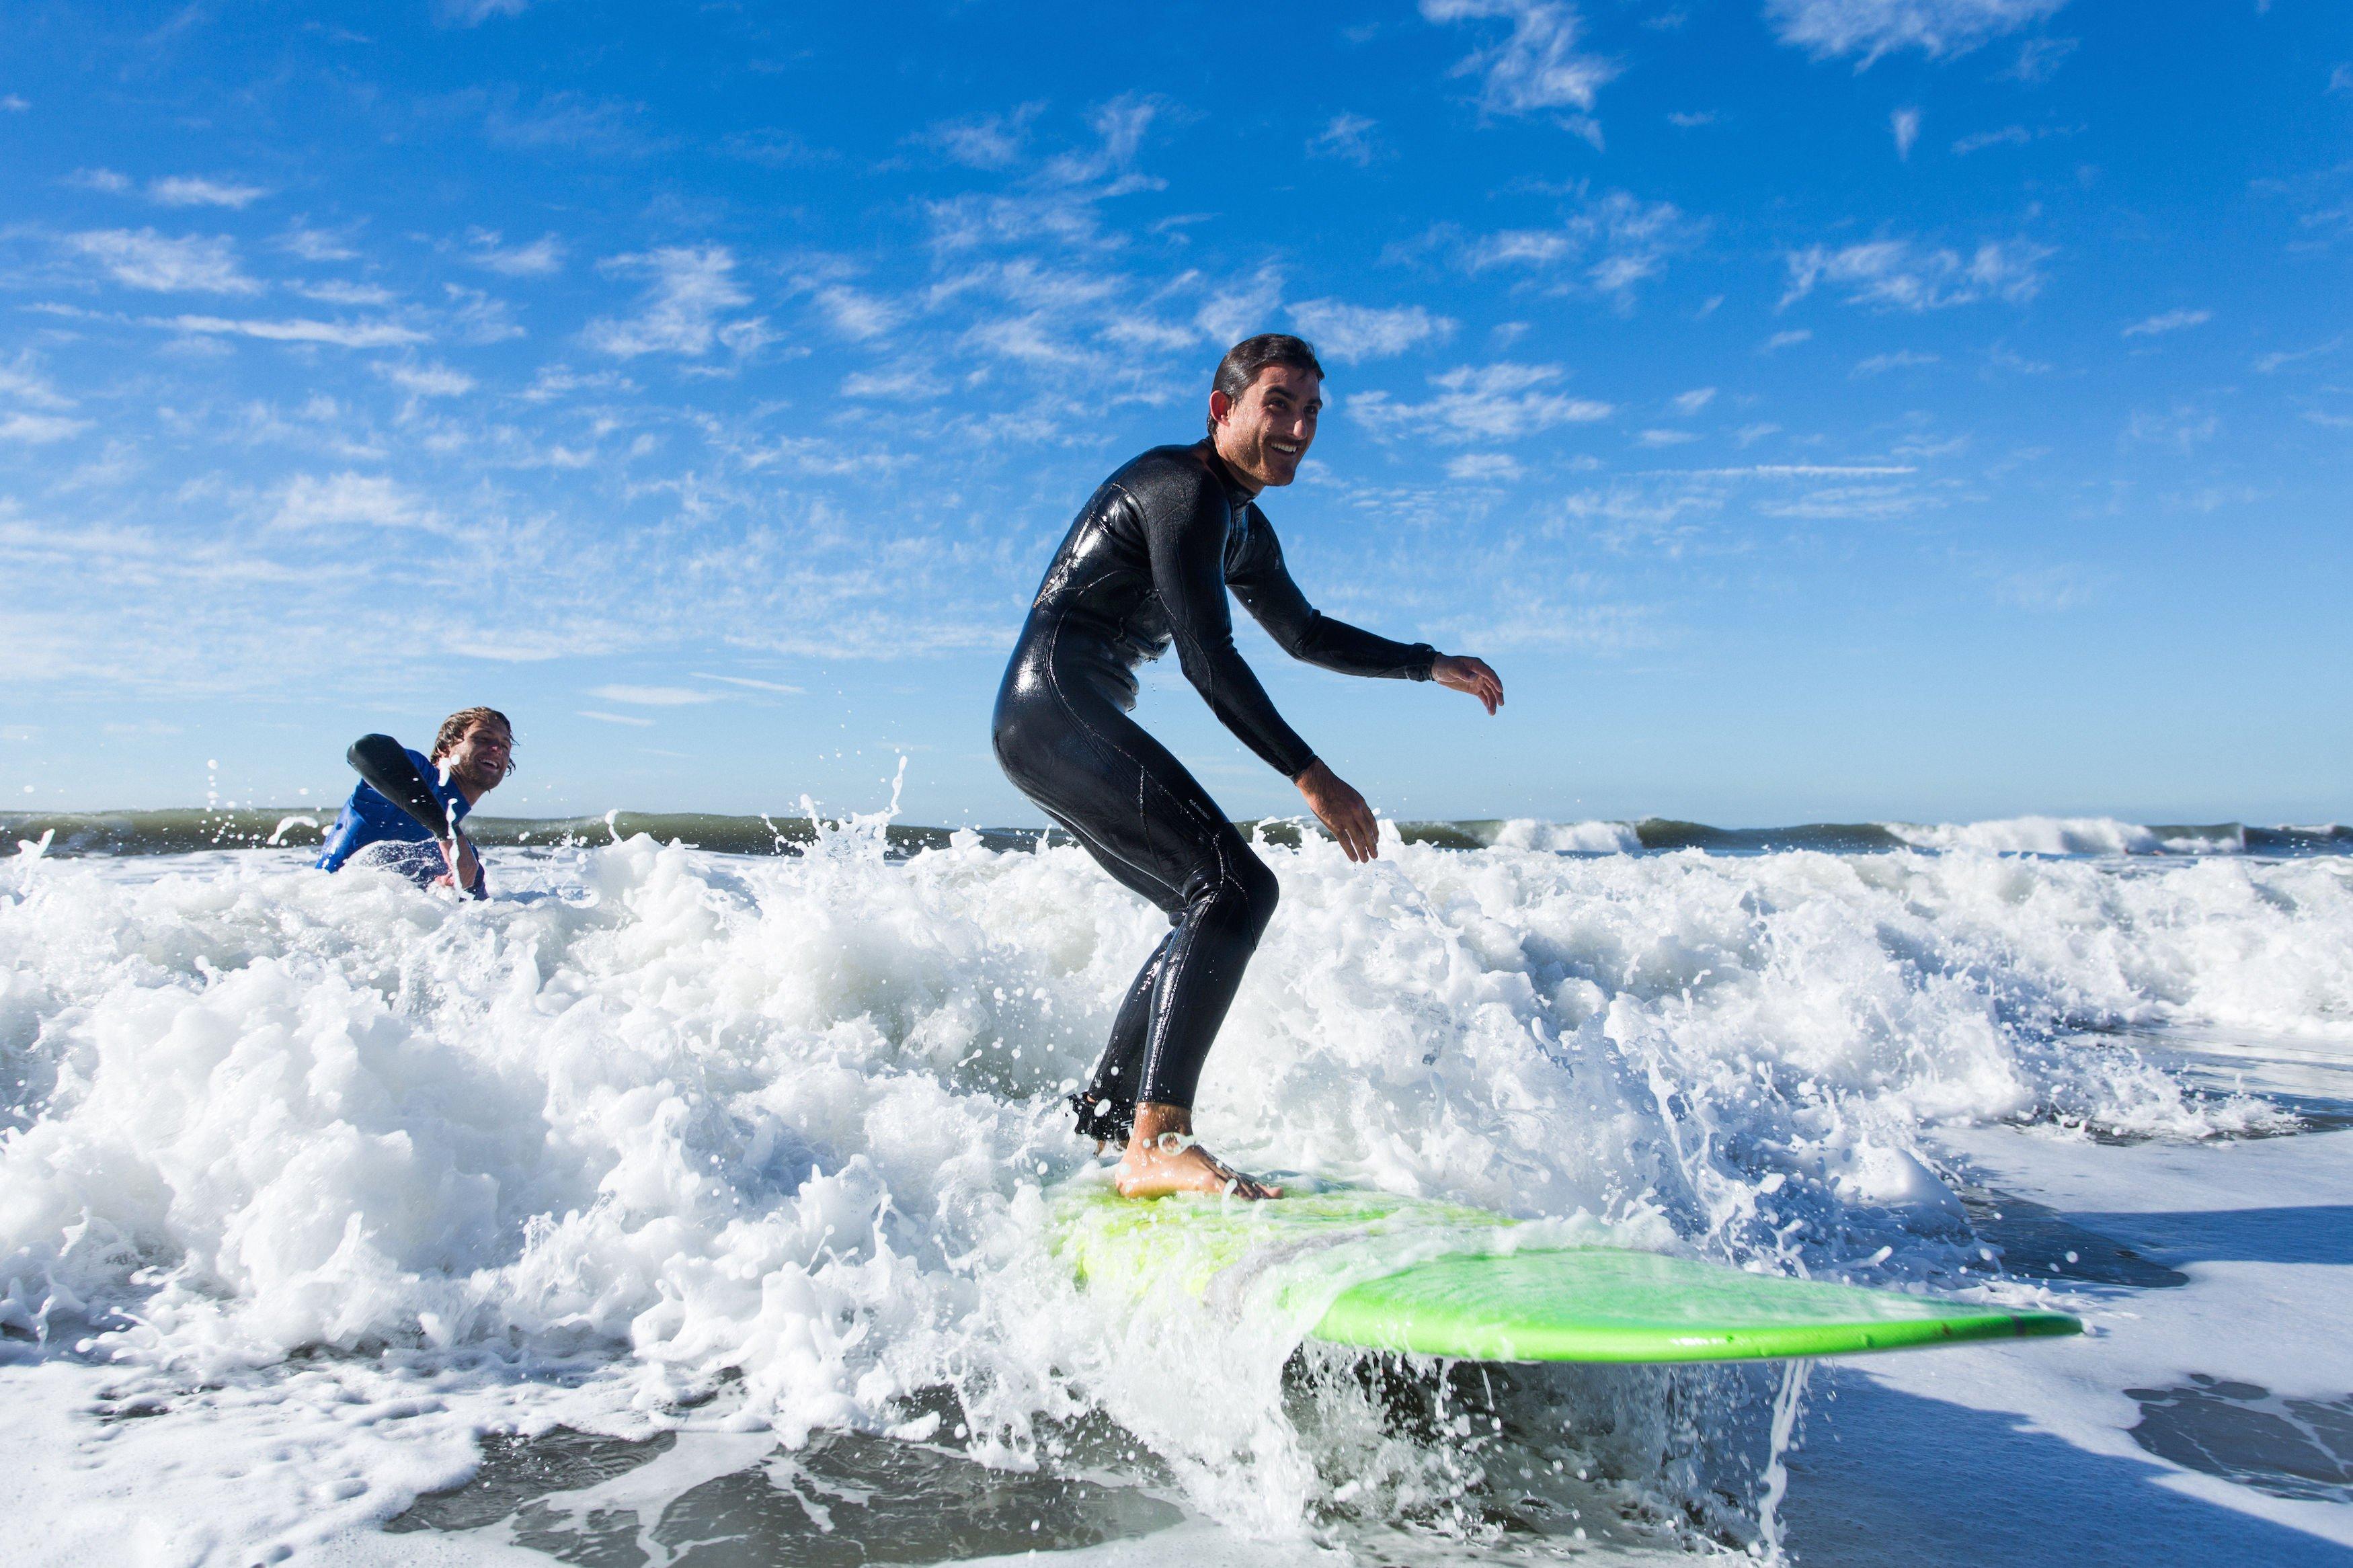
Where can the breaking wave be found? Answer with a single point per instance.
(343, 1174)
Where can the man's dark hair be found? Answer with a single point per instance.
(1242, 362)
(454, 728)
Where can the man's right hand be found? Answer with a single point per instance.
(1340, 808)
(465, 870)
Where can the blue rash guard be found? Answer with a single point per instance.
(369, 817)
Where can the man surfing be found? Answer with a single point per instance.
(408, 800)
(1147, 564)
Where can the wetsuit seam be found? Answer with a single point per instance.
(1177, 963)
(1102, 746)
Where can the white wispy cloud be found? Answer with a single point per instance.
(1901, 274)
(2168, 321)
(1691, 120)
(338, 291)
(2341, 78)
(1801, 471)
(543, 257)
(1874, 27)
(1978, 141)
(1348, 137)
(2047, 589)
(1785, 339)
(297, 330)
(854, 313)
(1060, 204)
(1536, 65)
(2039, 60)
(756, 685)
(474, 317)
(1349, 334)
(692, 288)
(632, 719)
(1243, 307)
(191, 191)
(317, 244)
(1852, 504)
(983, 141)
(141, 258)
(606, 127)
(1664, 438)
(427, 380)
(307, 502)
(474, 12)
(1690, 403)
(39, 429)
(14, 104)
(1906, 124)
(2183, 426)
(22, 383)
(900, 383)
(1120, 127)
(1500, 402)
(1484, 467)
(654, 696)
(1615, 241)
(1902, 359)
(2269, 363)
(112, 182)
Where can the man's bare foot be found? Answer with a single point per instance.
(1162, 1157)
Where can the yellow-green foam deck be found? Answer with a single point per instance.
(1402, 1274)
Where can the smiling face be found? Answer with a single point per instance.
(1264, 433)
(480, 759)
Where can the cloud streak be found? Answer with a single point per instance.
(1608, 245)
(1904, 275)
(1871, 28)
(1500, 402)
(297, 330)
(1536, 65)
(188, 191)
(141, 258)
(654, 696)
(2168, 321)
(1349, 334)
(691, 291)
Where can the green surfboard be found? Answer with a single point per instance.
(1382, 1273)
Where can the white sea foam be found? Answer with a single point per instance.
(1567, 837)
(2070, 835)
(660, 1125)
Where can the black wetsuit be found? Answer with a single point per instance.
(1147, 563)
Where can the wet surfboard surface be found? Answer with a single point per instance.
(1379, 1271)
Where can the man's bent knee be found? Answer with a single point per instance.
(1253, 893)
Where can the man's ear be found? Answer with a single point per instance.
(1220, 406)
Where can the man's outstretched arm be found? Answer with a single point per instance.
(1265, 586)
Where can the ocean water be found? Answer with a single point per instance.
(687, 1202)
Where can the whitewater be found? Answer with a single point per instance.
(681, 1205)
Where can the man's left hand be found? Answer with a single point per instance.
(1460, 672)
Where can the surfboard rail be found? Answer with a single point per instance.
(1440, 1279)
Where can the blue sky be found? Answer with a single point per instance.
(1817, 409)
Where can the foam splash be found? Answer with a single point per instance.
(663, 1128)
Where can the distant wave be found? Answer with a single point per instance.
(191, 829)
